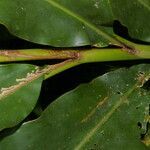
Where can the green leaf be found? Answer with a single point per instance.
(19, 91)
(108, 113)
(71, 23)
(50, 22)
(133, 14)
(57, 23)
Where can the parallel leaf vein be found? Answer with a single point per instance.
(144, 4)
(107, 116)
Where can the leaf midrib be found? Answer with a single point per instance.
(144, 4)
(21, 84)
(16, 87)
(99, 31)
(107, 116)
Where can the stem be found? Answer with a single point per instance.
(57, 68)
(98, 55)
(76, 57)
(102, 55)
(35, 54)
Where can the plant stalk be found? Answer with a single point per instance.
(99, 55)
(89, 55)
(76, 57)
(35, 54)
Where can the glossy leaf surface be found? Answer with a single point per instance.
(70, 23)
(133, 14)
(19, 93)
(111, 111)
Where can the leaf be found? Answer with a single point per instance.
(65, 24)
(46, 21)
(110, 111)
(19, 91)
(133, 15)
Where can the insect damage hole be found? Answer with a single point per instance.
(139, 125)
(146, 85)
(145, 137)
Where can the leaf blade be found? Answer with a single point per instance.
(62, 24)
(14, 96)
(94, 115)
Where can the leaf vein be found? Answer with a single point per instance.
(144, 4)
(121, 101)
(99, 31)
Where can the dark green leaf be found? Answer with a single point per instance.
(50, 24)
(20, 87)
(111, 112)
(71, 23)
(133, 14)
